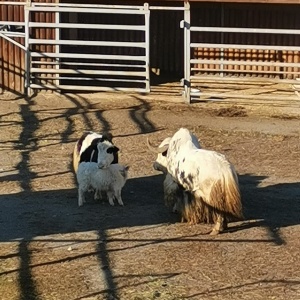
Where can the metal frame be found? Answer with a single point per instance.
(51, 78)
(190, 78)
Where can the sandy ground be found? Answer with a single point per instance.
(51, 249)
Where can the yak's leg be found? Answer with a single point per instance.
(220, 224)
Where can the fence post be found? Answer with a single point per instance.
(187, 51)
(27, 50)
(147, 42)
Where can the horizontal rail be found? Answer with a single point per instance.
(58, 63)
(88, 56)
(89, 79)
(246, 71)
(245, 30)
(12, 23)
(12, 3)
(87, 43)
(249, 47)
(166, 8)
(242, 62)
(84, 88)
(87, 72)
(208, 78)
(86, 26)
(220, 96)
(44, 9)
(36, 4)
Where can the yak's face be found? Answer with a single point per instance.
(161, 161)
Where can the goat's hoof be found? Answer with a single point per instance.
(111, 203)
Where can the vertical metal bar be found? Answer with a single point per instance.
(27, 47)
(222, 42)
(57, 46)
(187, 52)
(147, 42)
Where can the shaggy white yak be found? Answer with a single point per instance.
(173, 192)
(208, 176)
(110, 180)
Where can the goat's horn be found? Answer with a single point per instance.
(158, 149)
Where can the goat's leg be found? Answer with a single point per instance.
(110, 196)
(81, 198)
(220, 224)
(97, 195)
(119, 198)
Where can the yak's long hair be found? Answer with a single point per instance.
(193, 209)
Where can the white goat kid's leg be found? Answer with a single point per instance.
(81, 197)
(110, 196)
(97, 195)
(119, 198)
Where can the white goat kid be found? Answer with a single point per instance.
(110, 180)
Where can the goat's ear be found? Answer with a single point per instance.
(115, 149)
(96, 141)
(112, 150)
(107, 137)
(126, 168)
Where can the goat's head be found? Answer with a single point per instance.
(161, 161)
(107, 154)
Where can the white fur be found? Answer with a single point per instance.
(206, 174)
(171, 187)
(110, 180)
(88, 140)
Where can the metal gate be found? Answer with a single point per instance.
(272, 60)
(70, 60)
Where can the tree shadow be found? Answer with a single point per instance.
(275, 206)
(28, 215)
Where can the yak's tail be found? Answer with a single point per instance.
(224, 195)
(233, 204)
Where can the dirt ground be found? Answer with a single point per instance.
(52, 249)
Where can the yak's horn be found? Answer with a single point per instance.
(158, 149)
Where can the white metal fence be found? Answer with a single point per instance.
(75, 63)
(197, 70)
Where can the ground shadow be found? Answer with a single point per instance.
(275, 206)
(29, 215)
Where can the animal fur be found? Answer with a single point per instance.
(110, 180)
(85, 149)
(209, 182)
